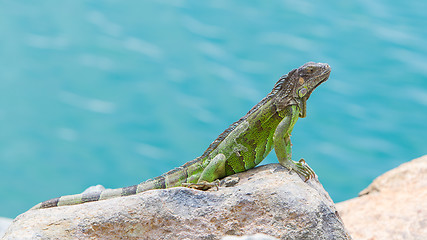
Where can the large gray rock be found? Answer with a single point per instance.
(394, 206)
(267, 200)
(258, 236)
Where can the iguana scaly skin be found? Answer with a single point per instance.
(240, 147)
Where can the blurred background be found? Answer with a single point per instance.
(115, 92)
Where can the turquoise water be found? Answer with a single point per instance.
(115, 92)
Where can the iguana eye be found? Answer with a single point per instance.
(302, 92)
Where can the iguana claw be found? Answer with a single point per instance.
(203, 185)
(302, 168)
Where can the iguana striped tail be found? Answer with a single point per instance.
(188, 173)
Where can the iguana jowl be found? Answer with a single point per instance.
(240, 147)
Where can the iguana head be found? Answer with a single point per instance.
(306, 78)
(297, 86)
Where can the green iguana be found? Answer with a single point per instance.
(240, 147)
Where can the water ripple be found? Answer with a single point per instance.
(143, 47)
(95, 105)
(47, 42)
(202, 29)
(103, 63)
(101, 21)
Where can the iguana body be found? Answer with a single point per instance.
(242, 146)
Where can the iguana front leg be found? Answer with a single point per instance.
(282, 144)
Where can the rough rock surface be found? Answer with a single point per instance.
(4, 224)
(394, 206)
(267, 199)
(258, 236)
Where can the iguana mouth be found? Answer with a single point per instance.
(324, 76)
(320, 79)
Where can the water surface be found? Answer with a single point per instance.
(117, 92)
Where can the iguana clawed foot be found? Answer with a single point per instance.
(229, 181)
(204, 185)
(225, 182)
(302, 168)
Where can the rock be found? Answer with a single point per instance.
(4, 224)
(267, 199)
(394, 206)
(258, 236)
